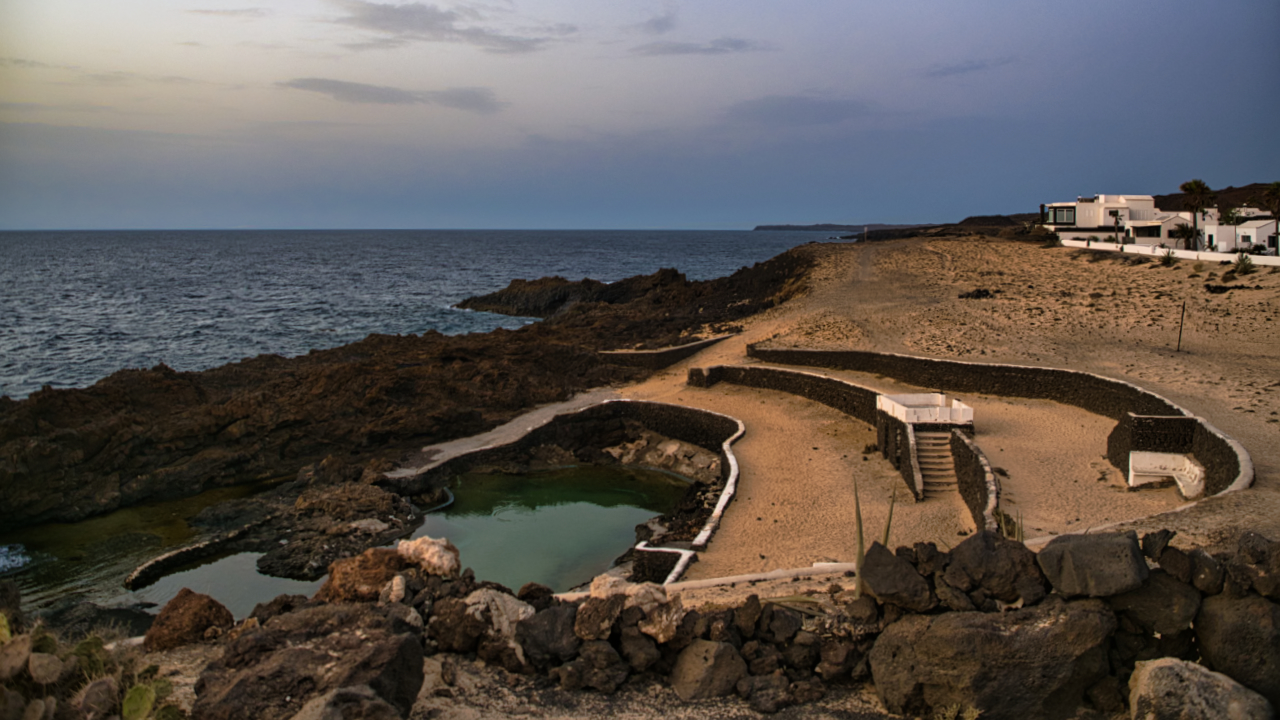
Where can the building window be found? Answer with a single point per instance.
(1062, 216)
(1246, 239)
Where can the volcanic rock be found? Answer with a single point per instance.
(1241, 638)
(707, 669)
(271, 672)
(361, 578)
(1093, 565)
(548, 637)
(1172, 689)
(1002, 568)
(598, 666)
(348, 703)
(185, 620)
(892, 579)
(1035, 662)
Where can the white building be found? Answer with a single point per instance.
(1135, 219)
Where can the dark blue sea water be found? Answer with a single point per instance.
(77, 306)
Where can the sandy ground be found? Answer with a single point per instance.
(1055, 307)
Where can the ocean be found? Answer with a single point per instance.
(77, 306)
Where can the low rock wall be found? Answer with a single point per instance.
(976, 481)
(1227, 464)
(896, 441)
(657, 359)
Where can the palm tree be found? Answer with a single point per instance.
(1198, 197)
(1186, 234)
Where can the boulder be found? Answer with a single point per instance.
(1172, 689)
(892, 579)
(1206, 572)
(1093, 565)
(1261, 557)
(1162, 606)
(1177, 563)
(707, 669)
(272, 672)
(185, 619)
(746, 615)
(663, 622)
(547, 636)
(361, 578)
(1003, 569)
(1241, 638)
(502, 613)
(598, 666)
(1036, 662)
(596, 616)
(639, 650)
(76, 620)
(434, 557)
(349, 703)
(779, 624)
(766, 693)
(454, 628)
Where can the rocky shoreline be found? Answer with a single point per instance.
(154, 434)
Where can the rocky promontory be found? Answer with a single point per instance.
(153, 434)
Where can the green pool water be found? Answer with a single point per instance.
(559, 527)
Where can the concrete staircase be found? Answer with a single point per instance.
(937, 467)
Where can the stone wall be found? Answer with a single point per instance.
(657, 359)
(1227, 464)
(977, 483)
(897, 443)
(850, 399)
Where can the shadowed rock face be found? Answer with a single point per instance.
(151, 434)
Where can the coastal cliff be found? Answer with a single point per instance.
(139, 435)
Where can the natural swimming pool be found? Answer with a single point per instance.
(557, 527)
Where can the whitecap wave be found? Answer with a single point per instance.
(13, 557)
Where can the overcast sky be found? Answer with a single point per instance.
(620, 113)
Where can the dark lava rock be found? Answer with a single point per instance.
(1241, 638)
(780, 624)
(762, 658)
(1163, 605)
(1004, 569)
(278, 605)
(929, 559)
(361, 578)
(1176, 563)
(838, 656)
(63, 452)
(1035, 662)
(271, 672)
(1093, 565)
(598, 666)
(454, 628)
(979, 294)
(348, 703)
(1206, 572)
(77, 620)
(746, 615)
(1172, 689)
(538, 595)
(1262, 558)
(707, 669)
(951, 597)
(1153, 544)
(766, 693)
(892, 579)
(639, 650)
(185, 619)
(548, 637)
(596, 617)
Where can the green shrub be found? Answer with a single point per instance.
(1198, 267)
(1168, 259)
(1243, 265)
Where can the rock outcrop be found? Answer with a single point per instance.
(1172, 689)
(189, 617)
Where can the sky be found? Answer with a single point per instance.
(694, 114)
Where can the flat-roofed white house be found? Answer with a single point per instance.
(1136, 219)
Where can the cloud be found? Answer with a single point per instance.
(400, 25)
(237, 13)
(792, 110)
(41, 107)
(120, 77)
(966, 67)
(720, 46)
(470, 99)
(25, 64)
(660, 24)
